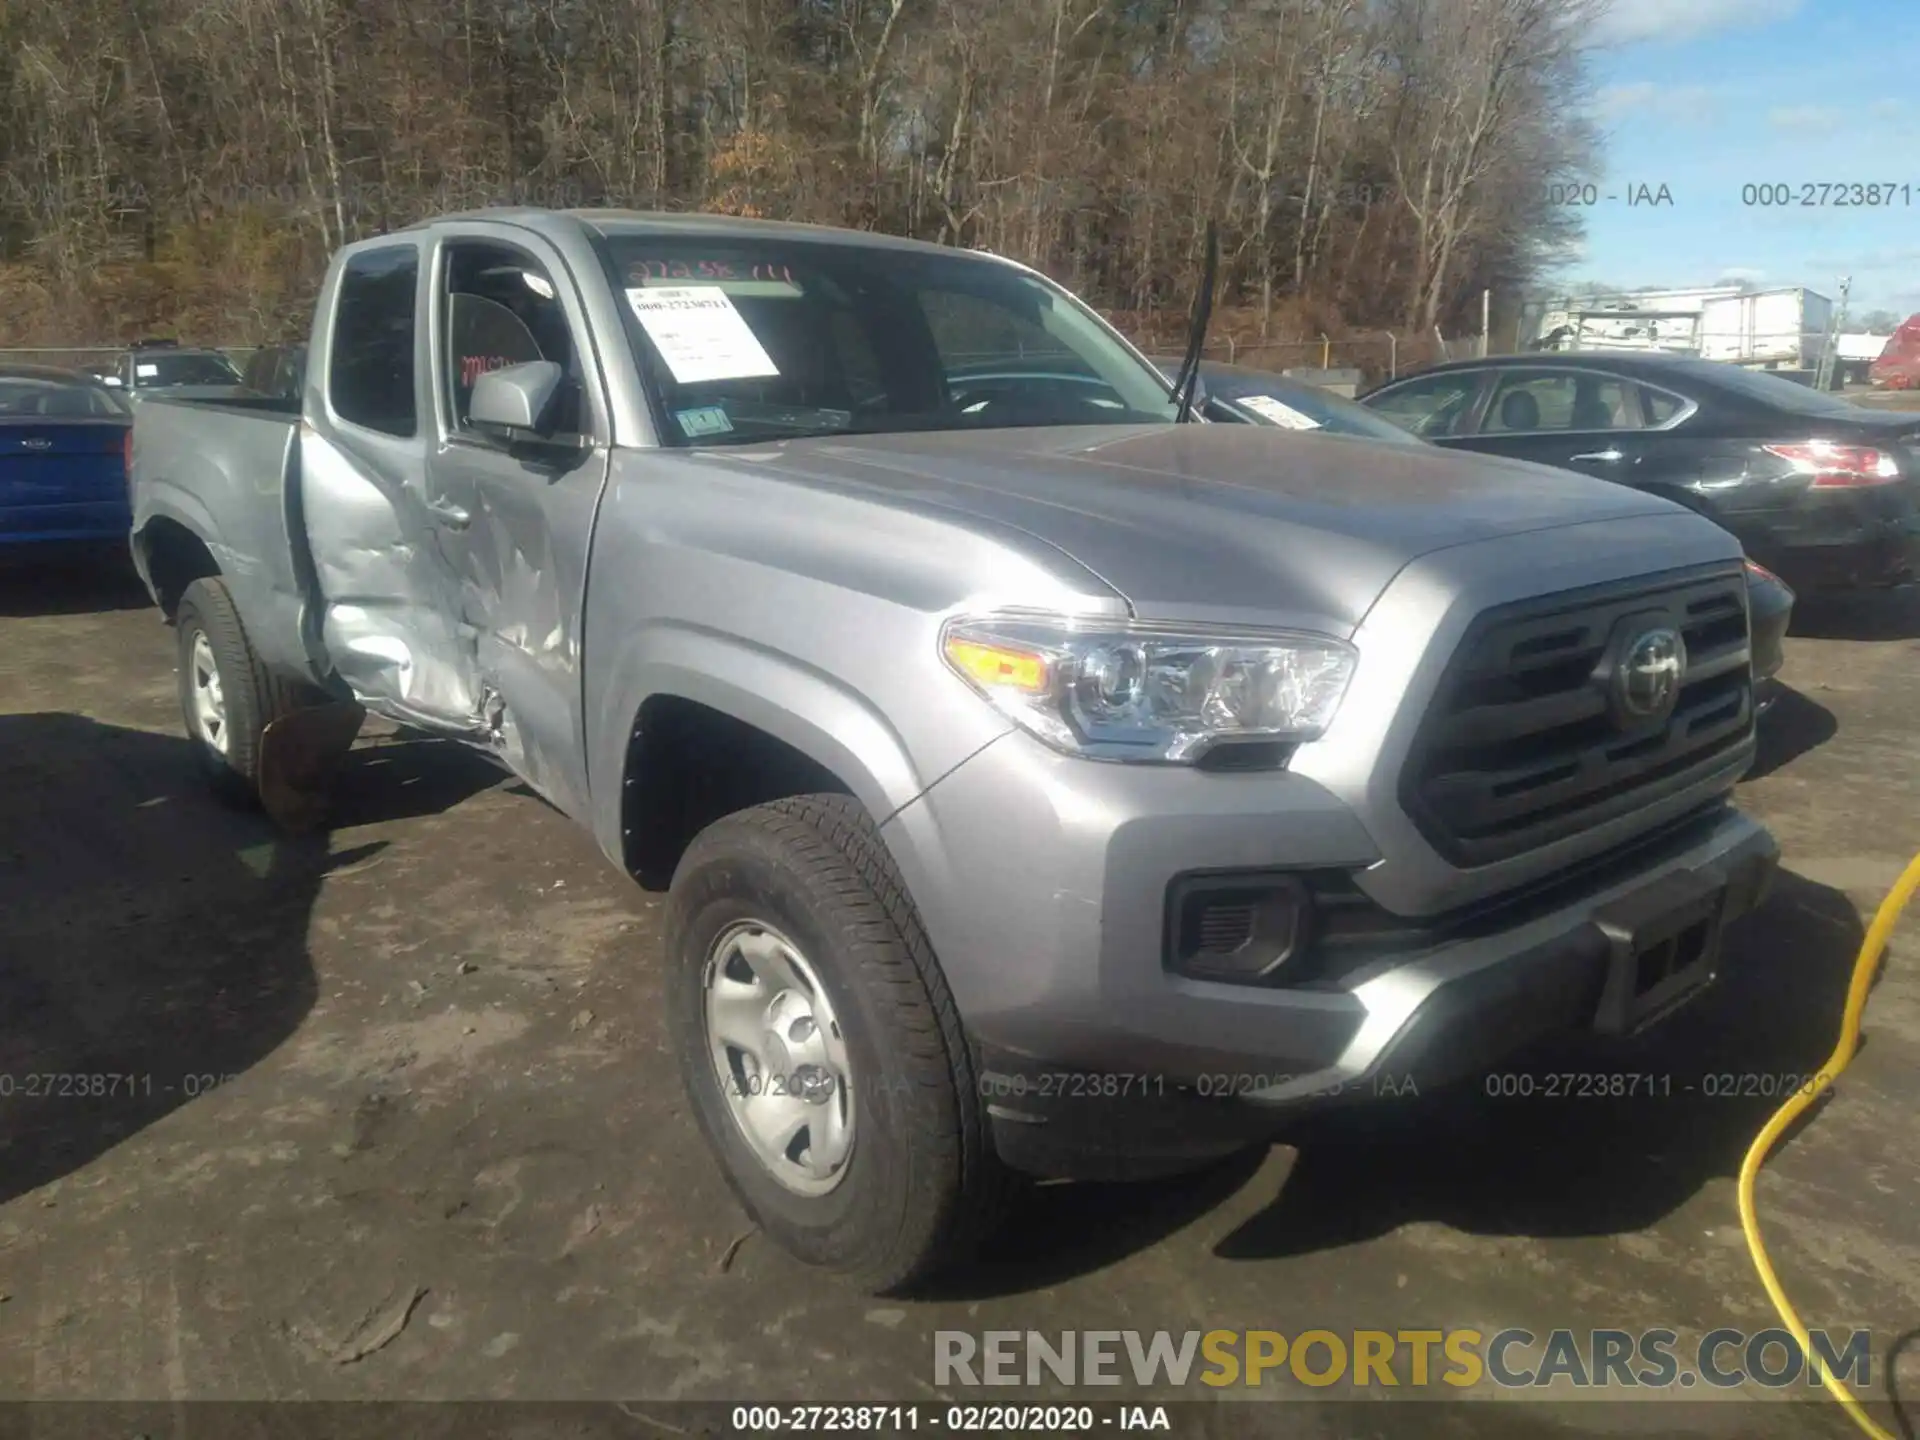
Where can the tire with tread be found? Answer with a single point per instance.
(254, 697)
(924, 1187)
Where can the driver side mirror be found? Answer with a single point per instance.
(517, 403)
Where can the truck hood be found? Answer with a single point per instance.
(1221, 523)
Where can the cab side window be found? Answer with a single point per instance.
(1529, 400)
(499, 307)
(1660, 405)
(1434, 407)
(370, 365)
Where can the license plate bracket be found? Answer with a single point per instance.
(1663, 944)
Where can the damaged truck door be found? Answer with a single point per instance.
(449, 491)
(387, 609)
(514, 480)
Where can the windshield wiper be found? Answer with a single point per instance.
(1188, 381)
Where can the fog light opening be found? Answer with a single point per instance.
(1237, 927)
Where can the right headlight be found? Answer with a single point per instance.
(1117, 691)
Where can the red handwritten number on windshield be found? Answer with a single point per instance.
(472, 367)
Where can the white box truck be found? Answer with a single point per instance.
(1782, 329)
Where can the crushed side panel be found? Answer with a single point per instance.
(390, 619)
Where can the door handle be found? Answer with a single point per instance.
(1608, 455)
(454, 517)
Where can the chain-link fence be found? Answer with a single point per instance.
(1377, 356)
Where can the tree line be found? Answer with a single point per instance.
(188, 165)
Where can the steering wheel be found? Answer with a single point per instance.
(1440, 422)
(974, 398)
(1045, 400)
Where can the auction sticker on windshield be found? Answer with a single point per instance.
(706, 420)
(1269, 408)
(700, 334)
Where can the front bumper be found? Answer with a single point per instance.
(1048, 909)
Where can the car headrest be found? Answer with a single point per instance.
(1519, 411)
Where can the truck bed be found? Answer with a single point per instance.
(222, 468)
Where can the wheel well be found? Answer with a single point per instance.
(689, 764)
(176, 557)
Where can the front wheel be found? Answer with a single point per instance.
(821, 1048)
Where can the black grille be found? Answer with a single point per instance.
(1521, 746)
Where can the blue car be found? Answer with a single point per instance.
(64, 444)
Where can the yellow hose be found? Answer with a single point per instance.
(1871, 950)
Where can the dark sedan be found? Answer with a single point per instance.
(1235, 394)
(1823, 492)
(63, 459)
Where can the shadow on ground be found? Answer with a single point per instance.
(409, 775)
(151, 941)
(1059, 1231)
(1794, 726)
(70, 582)
(1858, 615)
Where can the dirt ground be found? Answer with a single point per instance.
(398, 1120)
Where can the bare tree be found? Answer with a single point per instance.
(1470, 71)
(189, 164)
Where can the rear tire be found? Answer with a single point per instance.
(227, 697)
(806, 884)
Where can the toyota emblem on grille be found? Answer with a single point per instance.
(1646, 682)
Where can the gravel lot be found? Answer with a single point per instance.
(401, 1121)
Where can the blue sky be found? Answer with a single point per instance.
(1705, 96)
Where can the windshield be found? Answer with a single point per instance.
(744, 341)
(54, 397)
(1768, 390)
(157, 369)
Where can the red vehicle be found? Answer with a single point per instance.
(1898, 367)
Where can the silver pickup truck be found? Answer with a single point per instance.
(1043, 786)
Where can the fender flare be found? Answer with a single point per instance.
(163, 500)
(816, 714)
